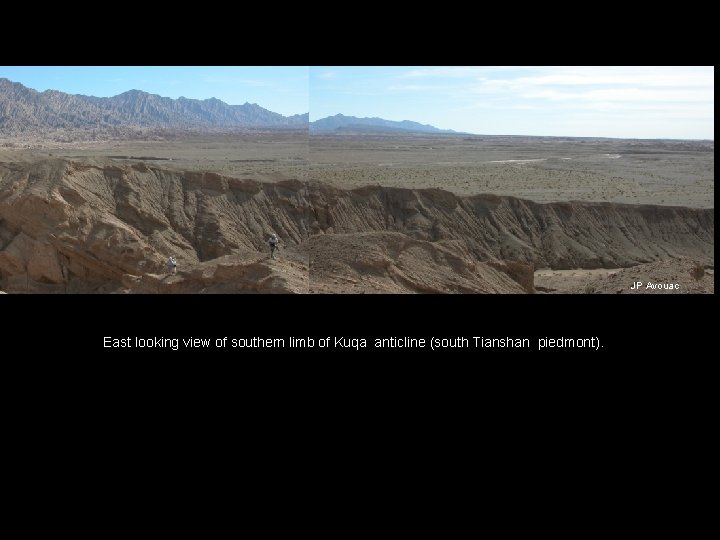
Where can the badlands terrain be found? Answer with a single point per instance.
(356, 213)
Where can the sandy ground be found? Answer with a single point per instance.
(542, 169)
(568, 281)
(265, 156)
(624, 280)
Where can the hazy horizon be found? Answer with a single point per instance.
(519, 134)
(609, 102)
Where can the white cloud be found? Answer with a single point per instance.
(622, 94)
(630, 99)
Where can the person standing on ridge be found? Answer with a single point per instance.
(172, 265)
(273, 244)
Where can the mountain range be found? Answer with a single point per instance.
(340, 123)
(26, 111)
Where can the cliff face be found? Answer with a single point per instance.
(68, 223)
(69, 226)
(558, 235)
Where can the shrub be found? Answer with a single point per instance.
(698, 271)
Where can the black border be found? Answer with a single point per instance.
(632, 328)
(640, 326)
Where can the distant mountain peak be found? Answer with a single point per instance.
(340, 122)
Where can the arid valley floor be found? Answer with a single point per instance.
(542, 169)
(356, 214)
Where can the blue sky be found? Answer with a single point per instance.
(279, 89)
(632, 102)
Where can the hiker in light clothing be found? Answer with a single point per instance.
(172, 265)
(273, 244)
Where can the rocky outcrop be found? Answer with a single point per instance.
(69, 226)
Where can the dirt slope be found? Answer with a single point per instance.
(557, 235)
(394, 262)
(85, 227)
(68, 226)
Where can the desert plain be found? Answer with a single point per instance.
(356, 213)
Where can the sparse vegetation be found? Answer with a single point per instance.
(698, 271)
(469, 167)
